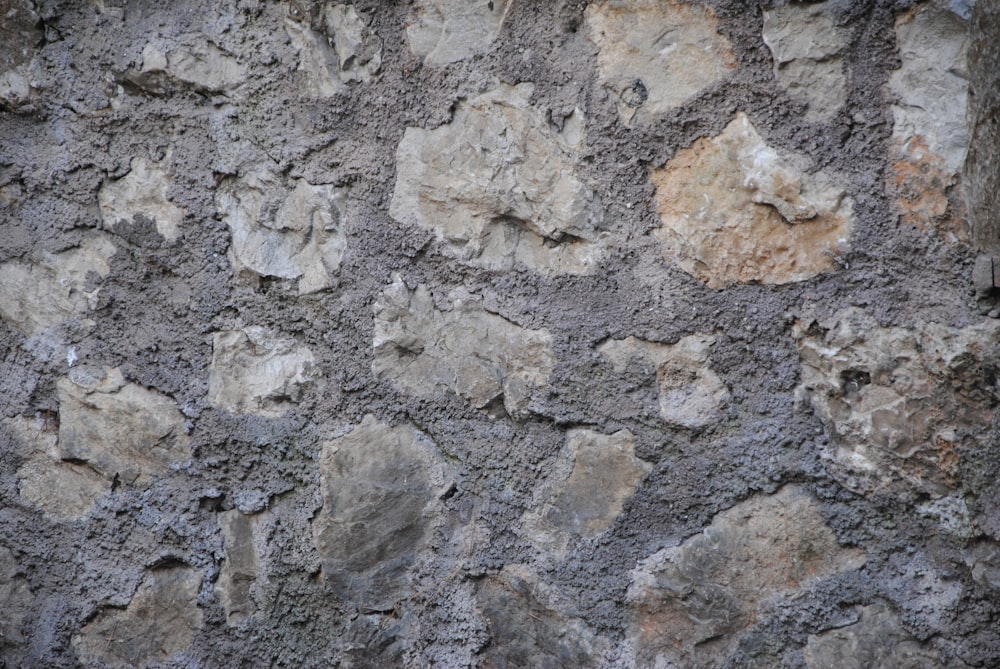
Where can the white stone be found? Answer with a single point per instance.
(446, 31)
(143, 191)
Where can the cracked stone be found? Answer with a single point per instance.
(341, 49)
(193, 62)
(142, 193)
(447, 31)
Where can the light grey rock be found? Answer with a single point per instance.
(256, 372)
(17, 601)
(499, 186)
(19, 35)
(341, 49)
(479, 356)
(160, 621)
(446, 31)
(983, 559)
(656, 55)
(242, 537)
(141, 192)
(191, 61)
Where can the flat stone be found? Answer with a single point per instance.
(981, 176)
(735, 210)
(689, 604)
(160, 621)
(35, 296)
(192, 61)
(242, 535)
(142, 193)
(481, 357)
(691, 395)
(286, 229)
(17, 601)
(341, 49)
(256, 372)
(447, 31)
(656, 55)
(498, 186)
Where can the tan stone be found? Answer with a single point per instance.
(340, 49)
(656, 55)
(735, 210)
(479, 356)
(446, 31)
(689, 604)
(691, 394)
(498, 185)
(237, 586)
(141, 192)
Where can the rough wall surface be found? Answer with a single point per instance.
(459, 333)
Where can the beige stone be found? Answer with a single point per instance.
(656, 55)
(256, 372)
(340, 49)
(242, 536)
(37, 295)
(498, 185)
(446, 31)
(691, 395)
(735, 210)
(689, 604)
(192, 61)
(479, 356)
(160, 621)
(141, 192)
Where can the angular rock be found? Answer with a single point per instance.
(734, 210)
(691, 394)
(382, 489)
(446, 31)
(341, 49)
(160, 621)
(656, 55)
(20, 35)
(117, 428)
(930, 133)
(35, 296)
(689, 604)
(983, 559)
(806, 44)
(498, 186)
(255, 372)
(241, 536)
(604, 474)
(193, 62)
(900, 404)
(140, 198)
(292, 230)
(17, 601)
(479, 356)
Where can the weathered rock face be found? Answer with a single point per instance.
(498, 186)
(930, 135)
(292, 230)
(479, 356)
(982, 168)
(382, 489)
(36, 296)
(690, 603)
(256, 372)
(242, 535)
(691, 394)
(190, 61)
(736, 211)
(337, 49)
(20, 35)
(900, 403)
(655, 56)
(806, 44)
(446, 31)
(17, 600)
(983, 560)
(138, 201)
(161, 620)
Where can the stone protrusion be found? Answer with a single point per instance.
(190, 62)
(137, 202)
(238, 577)
(734, 210)
(19, 38)
(447, 31)
(338, 49)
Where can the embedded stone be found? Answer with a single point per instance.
(900, 404)
(691, 395)
(690, 603)
(498, 186)
(159, 622)
(192, 62)
(981, 176)
(17, 601)
(255, 372)
(35, 296)
(140, 194)
(20, 35)
(480, 356)
(447, 31)
(735, 210)
(983, 560)
(382, 489)
(286, 229)
(238, 577)
(341, 49)
(656, 55)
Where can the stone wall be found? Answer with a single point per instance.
(453, 333)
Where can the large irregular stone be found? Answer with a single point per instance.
(983, 560)
(35, 296)
(382, 489)
(337, 49)
(900, 404)
(192, 61)
(498, 186)
(691, 394)
(160, 621)
(241, 535)
(734, 210)
(292, 230)
(603, 474)
(656, 55)
(139, 200)
(20, 35)
(930, 133)
(255, 372)
(690, 604)
(807, 44)
(982, 166)
(446, 31)
(119, 429)
(479, 356)
(17, 601)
